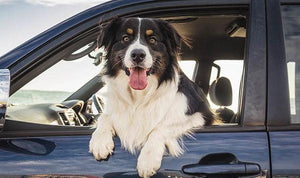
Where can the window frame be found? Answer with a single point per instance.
(253, 106)
(278, 115)
(252, 110)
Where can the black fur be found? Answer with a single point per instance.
(169, 37)
(165, 54)
(106, 39)
(197, 101)
(172, 40)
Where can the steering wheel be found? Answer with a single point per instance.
(97, 104)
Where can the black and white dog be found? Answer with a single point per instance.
(150, 104)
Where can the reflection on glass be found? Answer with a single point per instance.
(291, 66)
(291, 24)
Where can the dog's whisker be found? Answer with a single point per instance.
(117, 63)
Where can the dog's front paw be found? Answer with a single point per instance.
(148, 163)
(101, 145)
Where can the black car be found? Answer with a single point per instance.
(244, 57)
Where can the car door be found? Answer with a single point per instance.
(229, 150)
(283, 100)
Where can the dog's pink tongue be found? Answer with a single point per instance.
(138, 78)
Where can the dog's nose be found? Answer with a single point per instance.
(138, 55)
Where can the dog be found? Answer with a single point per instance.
(150, 104)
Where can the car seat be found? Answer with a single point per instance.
(220, 93)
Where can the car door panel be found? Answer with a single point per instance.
(71, 156)
(284, 134)
(285, 153)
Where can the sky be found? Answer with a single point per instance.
(21, 20)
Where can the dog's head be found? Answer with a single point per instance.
(140, 47)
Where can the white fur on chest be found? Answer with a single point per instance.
(135, 114)
(149, 120)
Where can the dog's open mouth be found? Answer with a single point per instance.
(138, 77)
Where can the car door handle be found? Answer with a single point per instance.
(241, 169)
(222, 164)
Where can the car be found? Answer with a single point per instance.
(244, 57)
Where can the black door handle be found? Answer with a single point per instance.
(222, 164)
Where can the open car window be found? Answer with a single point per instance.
(44, 100)
(66, 77)
(188, 67)
(58, 82)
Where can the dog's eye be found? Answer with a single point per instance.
(152, 40)
(126, 38)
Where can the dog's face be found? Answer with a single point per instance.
(140, 47)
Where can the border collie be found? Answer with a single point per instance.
(150, 104)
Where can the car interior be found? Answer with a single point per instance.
(212, 37)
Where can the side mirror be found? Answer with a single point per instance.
(4, 94)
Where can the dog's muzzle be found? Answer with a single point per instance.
(137, 56)
(138, 73)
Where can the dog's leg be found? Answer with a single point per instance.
(173, 146)
(149, 160)
(101, 143)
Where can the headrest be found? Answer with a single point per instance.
(220, 92)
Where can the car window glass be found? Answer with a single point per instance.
(291, 24)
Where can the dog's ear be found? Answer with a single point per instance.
(175, 40)
(107, 32)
